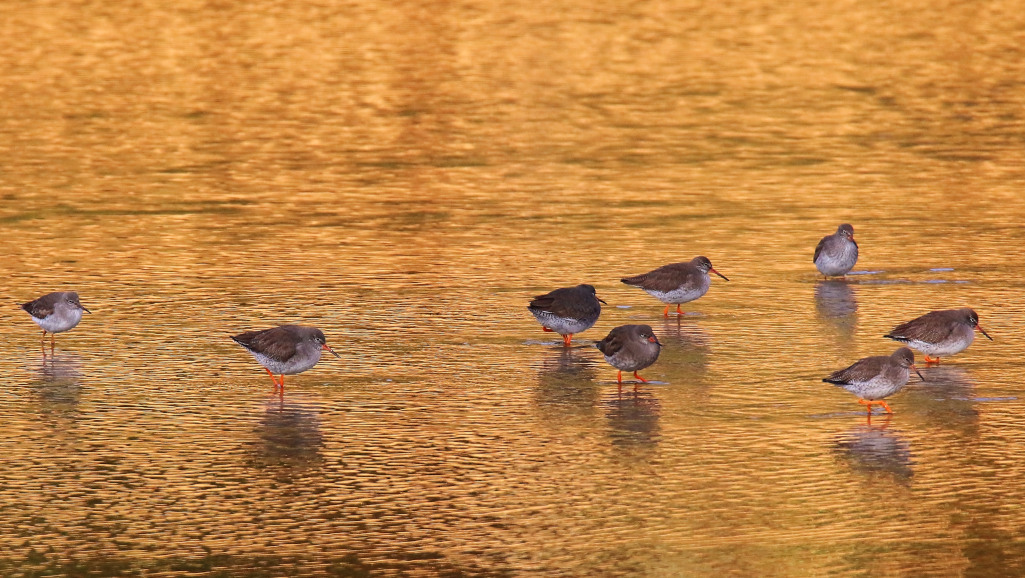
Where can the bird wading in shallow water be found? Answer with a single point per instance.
(676, 283)
(285, 350)
(567, 311)
(836, 254)
(55, 313)
(939, 333)
(630, 348)
(873, 378)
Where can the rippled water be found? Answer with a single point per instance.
(406, 177)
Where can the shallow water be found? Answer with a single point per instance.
(406, 178)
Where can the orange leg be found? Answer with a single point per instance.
(931, 360)
(886, 407)
(276, 384)
(619, 380)
(678, 312)
(867, 404)
(545, 329)
(641, 379)
(666, 312)
(567, 339)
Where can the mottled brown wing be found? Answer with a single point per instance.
(544, 302)
(42, 307)
(613, 342)
(277, 343)
(666, 278)
(933, 327)
(819, 247)
(862, 370)
(571, 302)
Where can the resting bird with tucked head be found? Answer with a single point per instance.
(630, 348)
(836, 254)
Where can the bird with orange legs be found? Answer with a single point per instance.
(676, 283)
(630, 348)
(873, 378)
(567, 311)
(285, 350)
(939, 333)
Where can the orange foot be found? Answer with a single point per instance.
(868, 405)
(678, 312)
(931, 360)
(666, 312)
(567, 339)
(640, 379)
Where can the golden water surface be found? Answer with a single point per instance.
(406, 176)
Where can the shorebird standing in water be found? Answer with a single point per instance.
(939, 333)
(55, 313)
(285, 350)
(836, 254)
(630, 348)
(567, 311)
(873, 378)
(676, 283)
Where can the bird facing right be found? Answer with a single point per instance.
(939, 333)
(55, 312)
(676, 283)
(873, 378)
(285, 350)
(836, 254)
(630, 348)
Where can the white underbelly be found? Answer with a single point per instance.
(290, 367)
(562, 325)
(58, 322)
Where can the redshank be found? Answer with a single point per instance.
(285, 350)
(939, 333)
(873, 378)
(676, 283)
(55, 312)
(836, 254)
(567, 311)
(630, 348)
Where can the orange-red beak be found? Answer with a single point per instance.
(327, 347)
(717, 273)
(979, 327)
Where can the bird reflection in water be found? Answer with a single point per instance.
(946, 398)
(566, 379)
(687, 347)
(874, 449)
(633, 419)
(836, 307)
(59, 382)
(288, 435)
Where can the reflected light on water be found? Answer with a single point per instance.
(406, 177)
